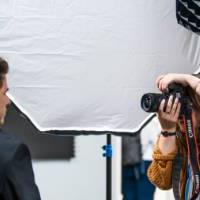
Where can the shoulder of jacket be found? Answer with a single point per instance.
(8, 146)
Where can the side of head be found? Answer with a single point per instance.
(195, 99)
(4, 100)
(3, 70)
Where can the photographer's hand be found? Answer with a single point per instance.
(163, 81)
(168, 119)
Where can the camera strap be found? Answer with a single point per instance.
(176, 173)
(193, 152)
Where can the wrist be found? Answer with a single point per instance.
(168, 134)
(167, 144)
(193, 81)
(197, 85)
(186, 79)
(168, 129)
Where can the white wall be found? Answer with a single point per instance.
(80, 178)
(164, 194)
(116, 169)
(84, 177)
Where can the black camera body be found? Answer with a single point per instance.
(150, 102)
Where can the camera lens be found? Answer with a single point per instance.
(150, 102)
(146, 102)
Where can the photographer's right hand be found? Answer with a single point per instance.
(168, 117)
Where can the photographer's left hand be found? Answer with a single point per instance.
(163, 81)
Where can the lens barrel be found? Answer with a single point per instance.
(150, 102)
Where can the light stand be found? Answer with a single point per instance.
(109, 152)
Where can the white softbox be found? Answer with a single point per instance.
(84, 64)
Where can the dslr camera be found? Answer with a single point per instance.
(150, 102)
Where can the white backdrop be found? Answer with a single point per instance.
(84, 65)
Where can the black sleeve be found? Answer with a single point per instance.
(20, 177)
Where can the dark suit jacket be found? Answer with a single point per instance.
(16, 172)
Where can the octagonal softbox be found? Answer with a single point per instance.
(84, 65)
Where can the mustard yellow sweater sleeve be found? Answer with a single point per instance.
(160, 170)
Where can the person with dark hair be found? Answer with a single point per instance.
(16, 172)
(172, 141)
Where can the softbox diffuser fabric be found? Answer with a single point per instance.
(84, 65)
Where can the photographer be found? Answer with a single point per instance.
(172, 140)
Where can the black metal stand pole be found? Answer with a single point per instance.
(109, 171)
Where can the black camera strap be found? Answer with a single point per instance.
(176, 173)
(193, 152)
